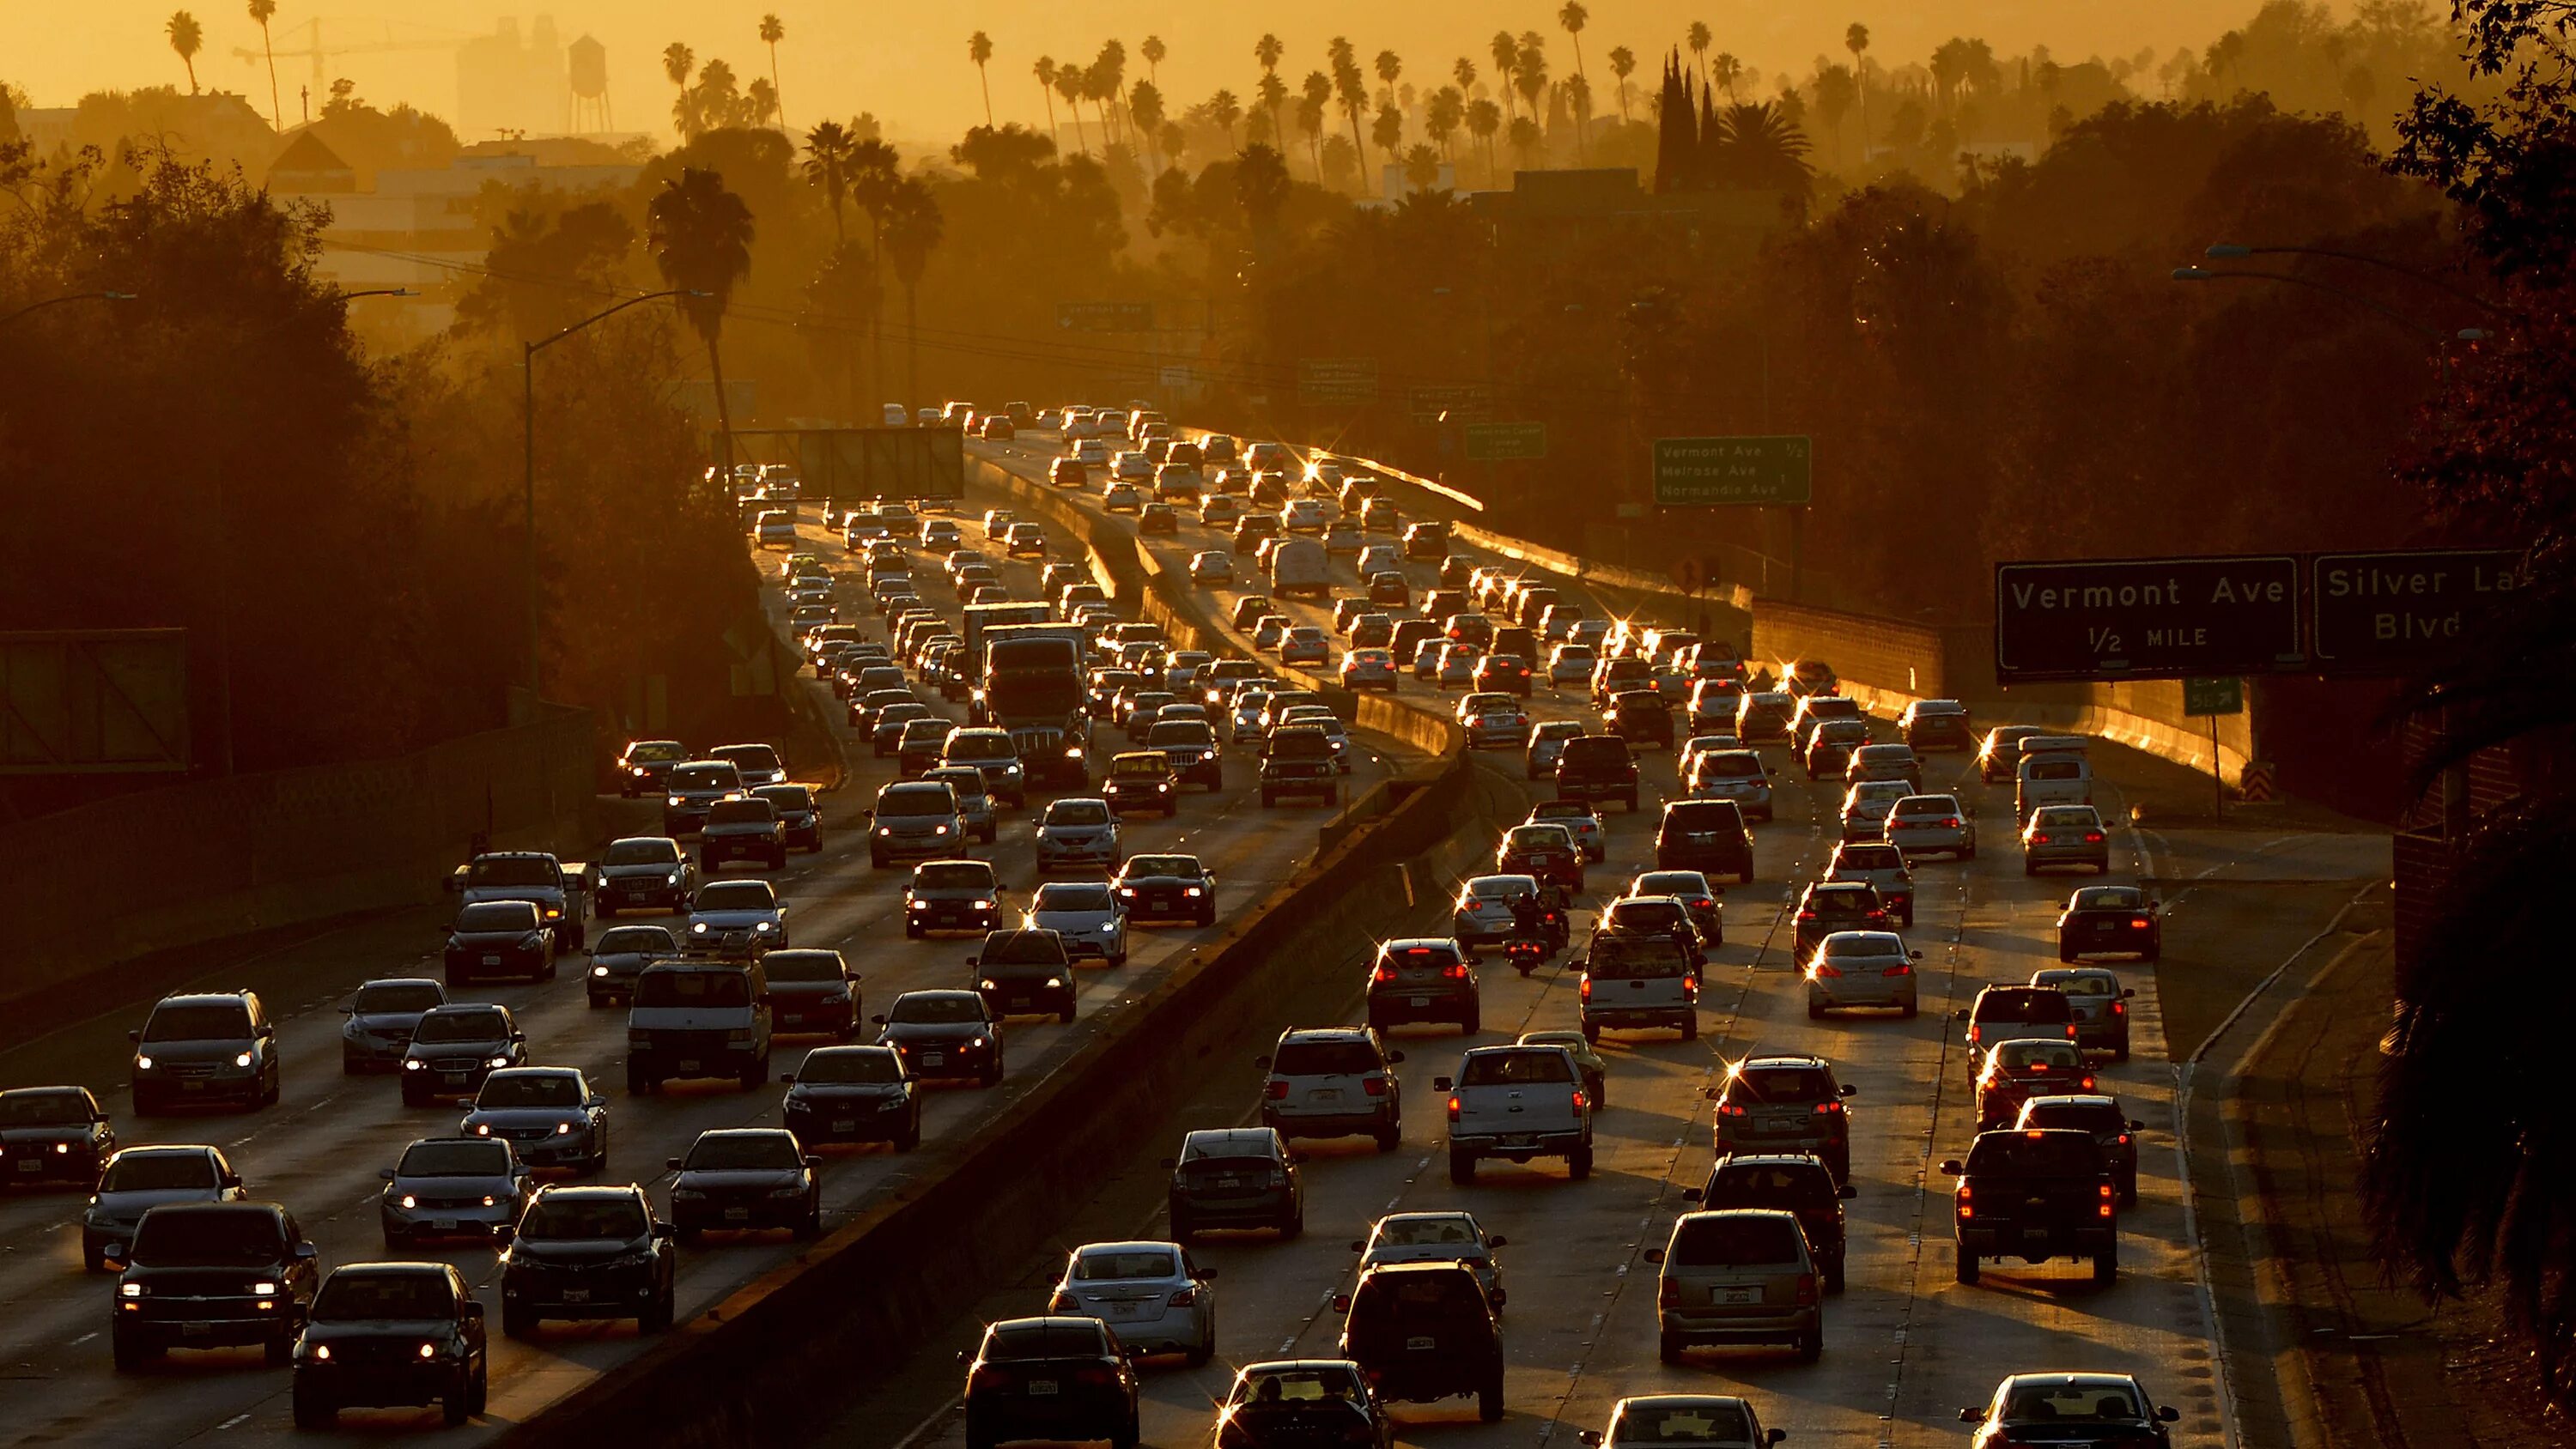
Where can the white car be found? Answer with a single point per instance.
(1484, 909)
(1867, 805)
(1738, 775)
(1436, 1237)
(1132, 468)
(1086, 914)
(1212, 566)
(1379, 558)
(1589, 633)
(1497, 726)
(1305, 644)
(1155, 1296)
(1342, 538)
(776, 529)
(1932, 825)
(1303, 515)
(1248, 709)
(1368, 669)
(1579, 822)
(1270, 629)
(1698, 745)
(1571, 663)
(1091, 453)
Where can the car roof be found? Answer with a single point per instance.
(593, 1191)
(1227, 1141)
(1140, 1245)
(2075, 1099)
(1785, 1059)
(218, 998)
(1325, 1033)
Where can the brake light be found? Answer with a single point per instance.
(2119, 1008)
(2105, 1208)
(2039, 840)
(1278, 1090)
(1902, 968)
(1950, 822)
(1690, 987)
(2070, 1031)
(1383, 974)
(1806, 1288)
(1670, 1295)
(1096, 1377)
(1455, 971)
(1822, 969)
(2124, 1139)
(989, 1378)
(1374, 1087)
(1731, 1109)
(1806, 915)
(1830, 1107)
(1703, 903)
(1187, 1297)
(1966, 1209)
(2092, 837)
(1453, 1108)
(1578, 1100)
(2138, 924)
(2088, 1084)
(1587, 988)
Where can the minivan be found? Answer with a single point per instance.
(1708, 836)
(2050, 779)
(1738, 1275)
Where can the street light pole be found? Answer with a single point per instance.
(2233, 251)
(528, 447)
(58, 301)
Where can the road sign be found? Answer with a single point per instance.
(1104, 316)
(2223, 695)
(2394, 613)
(1470, 402)
(1336, 381)
(2168, 618)
(1712, 472)
(1685, 572)
(1506, 442)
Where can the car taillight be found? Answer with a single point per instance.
(2092, 837)
(2088, 1084)
(1806, 915)
(2105, 1208)
(988, 1378)
(1098, 1378)
(1455, 971)
(1453, 1107)
(1670, 1294)
(2138, 924)
(1806, 1288)
(1383, 975)
(1950, 822)
(1731, 1109)
(2124, 1139)
(1966, 1209)
(1063, 1303)
(2070, 1031)
(1830, 1108)
(1824, 969)
(1374, 1087)
(1690, 987)
(2039, 840)
(1186, 1298)
(1278, 1090)
(2119, 1008)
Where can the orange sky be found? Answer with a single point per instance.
(913, 72)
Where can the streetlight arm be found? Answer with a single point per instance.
(58, 301)
(2205, 274)
(2230, 251)
(545, 342)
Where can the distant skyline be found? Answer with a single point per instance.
(914, 74)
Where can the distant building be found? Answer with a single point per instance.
(307, 167)
(505, 84)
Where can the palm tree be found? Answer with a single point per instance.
(979, 49)
(1507, 58)
(827, 167)
(1274, 94)
(1310, 118)
(1068, 84)
(1261, 186)
(187, 37)
(1578, 99)
(1269, 51)
(1388, 65)
(1153, 50)
(1484, 118)
(1724, 72)
(1856, 40)
(1145, 108)
(677, 63)
(1835, 91)
(1447, 107)
(1352, 89)
(1526, 137)
(1623, 64)
(1225, 110)
(261, 10)
(1529, 72)
(1759, 148)
(875, 172)
(700, 235)
(1421, 168)
(1045, 72)
(1388, 131)
(1573, 17)
(772, 32)
(1464, 73)
(1109, 83)
(1700, 41)
(913, 228)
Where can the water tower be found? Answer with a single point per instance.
(589, 74)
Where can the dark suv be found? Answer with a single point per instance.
(1236, 1177)
(1050, 1378)
(1425, 1331)
(2035, 1194)
(1708, 836)
(1022, 973)
(2002, 1013)
(391, 1335)
(1424, 980)
(1298, 760)
(587, 1252)
(742, 830)
(212, 1275)
(1785, 1104)
(218, 1046)
(1835, 905)
(1597, 767)
(1641, 717)
(1799, 1183)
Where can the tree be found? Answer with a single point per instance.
(1756, 147)
(772, 32)
(1388, 131)
(700, 235)
(1273, 91)
(1351, 87)
(759, 103)
(1044, 70)
(1529, 71)
(1153, 50)
(979, 49)
(678, 62)
(1310, 118)
(1577, 94)
(1484, 121)
(913, 230)
(1724, 72)
(187, 37)
(1388, 65)
(1573, 16)
(1507, 58)
(1262, 188)
(1834, 90)
(1526, 141)
(1274, 94)
(1623, 64)
(1856, 40)
(261, 10)
(1268, 51)
(875, 175)
(1464, 73)
(828, 149)
(1700, 40)
(1225, 110)
(1069, 84)
(1441, 116)
(1145, 108)
(1421, 168)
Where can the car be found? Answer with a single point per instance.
(1831, 746)
(456, 1046)
(812, 991)
(1333, 1082)
(1701, 1421)
(1735, 775)
(2101, 1006)
(2065, 835)
(1139, 781)
(52, 1136)
(206, 1047)
(1936, 724)
(548, 1115)
(644, 764)
(1157, 519)
(1634, 979)
(620, 955)
(1863, 968)
(382, 1017)
(1545, 851)
(1188, 745)
(1697, 897)
(1484, 908)
(1597, 767)
(800, 818)
(647, 872)
(1517, 1102)
(2053, 777)
(1827, 906)
(1571, 664)
(1797, 1183)
(588, 1253)
(890, 719)
(975, 809)
(1886, 762)
(1762, 717)
(1920, 825)
(1284, 1403)
(1708, 836)
(1388, 586)
(1785, 1102)
(390, 1335)
(745, 1178)
(914, 820)
(1579, 821)
(1369, 669)
(746, 829)
(1879, 866)
(946, 1034)
(1025, 972)
(1078, 832)
(1999, 755)
(2114, 1131)
(1594, 1068)
(135, 1180)
(1209, 566)
(952, 895)
(451, 1188)
(1235, 1177)
(1436, 1237)
(1156, 1298)
(1024, 540)
(1167, 888)
(1305, 644)
(1493, 722)
(1738, 1275)
(775, 528)
(1425, 1331)
(2111, 921)
(2035, 1194)
(853, 1094)
(2108, 1408)
(1057, 1377)
(500, 938)
(1086, 916)
(2019, 1068)
(1507, 673)
(1455, 666)
(755, 765)
(1069, 473)
(1867, 805)
(1220, 510)
(211, 1275)
(2001, 1013)
(1122, 496)
(990, 751)
(735, 916)
(1547, 739)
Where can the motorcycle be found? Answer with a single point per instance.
(1526, 953)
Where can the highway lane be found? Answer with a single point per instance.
(1905, 1345)
(320, 1148)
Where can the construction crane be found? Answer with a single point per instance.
(322, 54)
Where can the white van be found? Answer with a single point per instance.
(1299, 566)
(2058, 777)
(894, 415)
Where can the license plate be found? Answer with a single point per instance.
(30, 1165)
(192, 1086)
(1418, 1001)
(491, 960)
(1227, 1182)
(932, 1059)
(453, 1079)
(1419, 1343)
(1522, 1139)
(442, 1225)
(576, 1295)
(1328, 1094)
(737, 1215)
(1738, 1295)
(1126, 1312)
(2034, 1235)
(1041, 1388)
(689, 1064)
(195, 1330)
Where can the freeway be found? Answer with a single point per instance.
(319, 1150)
(1905, 1345)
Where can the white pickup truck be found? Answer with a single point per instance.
(1517, 1102)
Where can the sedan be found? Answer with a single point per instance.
(548, 1114)
(944, 1034)
(450, 1187)
(1211, 567)
(1484, 909)
(1579, 820)
(1368, 669)
(457, 1046)
(746, 1178)
(1086, 915)
(139, 1179)
(1698, 1421)
(499, 938)
(1931, 825)
(853, 1094)
(1166, 888)
(2038, 1408)
(1305, 644)
(1301, 1401)
(2110, 921)
(1155, 1297)
(1497, 726)
(2064, 835)
(383, 1015)
(1435, 1237)
(620, 955)
(729, 912)
(1862, 968)
(1078, 832)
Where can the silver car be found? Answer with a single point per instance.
(2065, 835)
(1086, 914)
(1932, 825)
(990, 751)
(1439, 1237)
(1700, 1421)
(914, 820)
(749, 909)
(548, 1115)
(141, 1178)
(1333, 1081)
(1862, 968)
(620, 955)
(1738, 1275)
(382, 1017)
(1737, 775)
(1579, 821)
(1547, 741)
(451, 1187)
(1079, 832)
(974, 803)
(1867, 805)
(1484, 910)
(1249, 706)
(1151, 1294)
(2101, 1005)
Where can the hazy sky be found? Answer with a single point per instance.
(908, 63)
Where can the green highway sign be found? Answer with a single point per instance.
(1104, 316)
(1506, 442)
(1336, 381)
(1720, 472)
(2213, 696)
(1468, 402)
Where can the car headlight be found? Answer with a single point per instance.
(917, 905)
(983, 905)
(986, 985)
(263, 1290)
(143, 1064)
(409, 1201)
(978, 1044)
(496, 1062)
(563, 1129)
(241, 1059)
(939, 830)
(129, 1290)
(1054, 982)
(489, 1200)
(411, 1064)
(760, 925)
(674, 802)
(322, 1352)
(1193, 891)
(672, 879)
(698, 928)
(482, 1129)
(885, 830)
(598, 970)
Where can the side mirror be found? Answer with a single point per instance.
(473, 1310)
(1653, 1255)
(787, 1079)
(877, 1020)
(664, 1232)
(1849, 1090)
(2168, 1414)
(1589, 1436)
(1262, 1061)
(1394, 1058)
(1951, 1166)
(1204, 1275)
(671, 1163)
(1711, 1093)
(1691, 1194)
(1442, 1084)
(233, 1179)
(386, 1173)
(306, 1252)
(134, 1036)
(1775, 1436)
(503, 1233)
(1341, 1303)
(811, 1160)
(1357, 1246)
(517, 1035)
(2127, 992)
(592, 1103)
(1960, 1015)
(113, 1252)
(1847, 1192)
(1971, 1416)
(2137, 1126)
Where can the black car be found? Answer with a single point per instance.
(1156, 518)
(1425, 1331)
(1798, 1183)
(799, 816)
(1424, 979)
(2110, 1411)
(2114, 1132)
(382, 1017)
(1294, 1403)
(746, 1177)
(1641, 717)
(499, 938)
(952, 895)
(211, 1275)
(1784, 1103)
(812, 991)
(853, 1094)
(2001, 1013)
(1297, 760)
(742, 830)
(455, 1048)
(1191, 749)
(944, 1034)
(620, 955)
(391, 1335)
(646, 764)
(644, 873)
(587, 1253)
(1708, 836)
(52, 1136)
(2111, 921)
(1236, 1177)
(210, 1047)
(1597, 767)
(1050, 1378)
(1025, 973)
(1166, 888)
(1836, 905)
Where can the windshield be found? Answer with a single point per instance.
(942, 1008)
(853, 1064)
(1782, 1085)
(2034, 1154)
(535, 1089)
(1656, 957)
(721, 988)
(802, 965)
(643, 851)
(209, 1238)
(2074, 817)
(455, 1159)
(1109, 1267)
(1512, 1069)
(655, 752)
(1327, 1058)
(636, 941)
(1146, 766)
(1069, 896)
(1770, 1184)
(956, 875)
(740, 895)
(497, 916)
(159, 1172)
(405, 996)
(2053, 770)
(551, 1216)
(747, 757)
(705, 777)
(471, 1024)
(1659, 915)
(1699, 1423)
(213, 1021)
(1715, 1240)
(513, 871)
(936, 800)
(1022, 948)
(1078, 812)
(1180, 732)
(1850, 945)
(43, 1109)
(979, 745)
(1165, 865)
(352, 1296)
(786, 797)
(1670, 883)
(742, 1152)
(1427, 1232)
(2110, 898)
